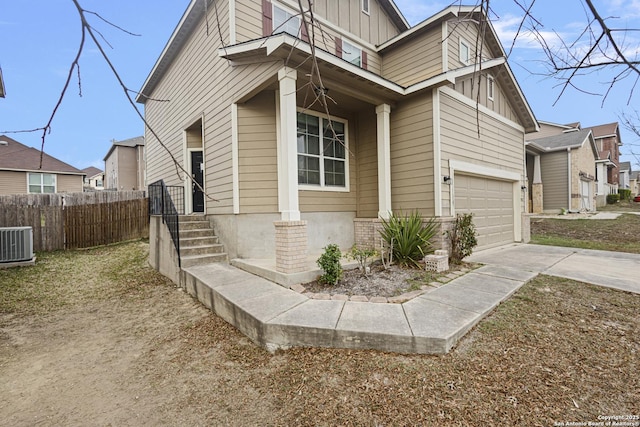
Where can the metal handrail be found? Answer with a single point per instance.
(168, 201)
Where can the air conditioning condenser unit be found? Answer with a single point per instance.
(16, 244)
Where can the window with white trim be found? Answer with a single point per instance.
(365, 6)
(42, 183)
(322, 152)
(465, 51)
(351, 53)
(490, 87)
(285, 21)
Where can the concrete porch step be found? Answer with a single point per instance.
(192, 217)
(199, 241)
(199, 232)
(201, 250)
(194, 260)
(194, 225)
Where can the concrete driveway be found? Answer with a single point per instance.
(612, 269)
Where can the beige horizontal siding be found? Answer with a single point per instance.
(69, 183)
(415, 60)
(248, 20)
(200, 84)
(412, 155)
(13, 182)
(498, 146)
(367, 166)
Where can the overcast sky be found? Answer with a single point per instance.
(40, 39)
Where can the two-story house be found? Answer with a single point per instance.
(561, 168)
(608, 141)
(93, 179)
(124, 165)
(307, 132)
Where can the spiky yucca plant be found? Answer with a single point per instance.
(411, 237)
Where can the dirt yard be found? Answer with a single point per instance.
(97, 338)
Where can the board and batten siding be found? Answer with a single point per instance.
(249, 25)
(468, 86)
(415, 60)
(257, 155)
(375, 28)
(555, 191)
(412, 155)
(13, 182)
(499, 145)
(468, 31)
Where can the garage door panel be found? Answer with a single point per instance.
(491, 202)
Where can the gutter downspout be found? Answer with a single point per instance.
(569, 177)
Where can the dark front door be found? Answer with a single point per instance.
(197, 173)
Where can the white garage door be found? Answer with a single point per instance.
(491, 202)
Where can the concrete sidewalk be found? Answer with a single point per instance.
(276, 317)
(611, 269)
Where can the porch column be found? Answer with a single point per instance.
(537, 205)
(287, 147)
(384, 160)
(291, 232)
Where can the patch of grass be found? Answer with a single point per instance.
(619, 235)
(63, 278)
(623, 206)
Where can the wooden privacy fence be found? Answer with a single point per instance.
(78, 220)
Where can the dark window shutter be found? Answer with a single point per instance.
(364, 60)
(339, 47)
(267, 18)
(303, 31)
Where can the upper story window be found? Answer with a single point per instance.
(465, 51)
(322, 152)
(42, 183)
(351, 53)
(365, 6)
(285, 21)
(490, 87)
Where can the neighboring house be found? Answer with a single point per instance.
(93, 179)
(2, 90)
(21, 171)
(561, 167)
(124, 165)
(625, 174)
(609, 142)
(634, 183)
(405, 133)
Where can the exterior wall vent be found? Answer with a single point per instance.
(16, 244)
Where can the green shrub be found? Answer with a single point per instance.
(362, 256)
(329, 262)
(612, 199)
(462, 238)
(409, 237)
(625, 194)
